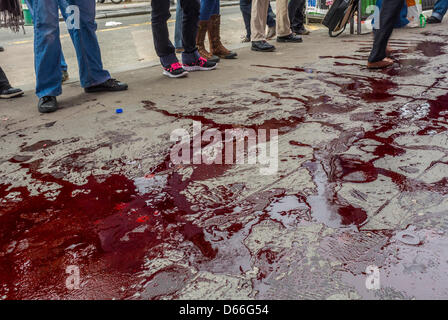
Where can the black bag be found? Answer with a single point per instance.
(339, 14)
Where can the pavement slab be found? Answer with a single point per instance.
(361, 168)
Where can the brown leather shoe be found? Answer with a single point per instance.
(386, 62)
(204, 26)
(216, 47)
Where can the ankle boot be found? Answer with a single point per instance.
(216, 47)
(200, 38)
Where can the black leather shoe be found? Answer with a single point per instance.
(290, 38)
(109, 85)
(432, 20)
(47, 104)
(10, 93)
(262, 46)
(2, 49)
(302, 32)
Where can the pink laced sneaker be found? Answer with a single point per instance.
(201, 64)
(175, 70)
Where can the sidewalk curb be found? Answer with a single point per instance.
(144, 10)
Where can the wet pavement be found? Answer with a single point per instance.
(361, 182)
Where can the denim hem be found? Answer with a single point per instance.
(437, 15)
(95, 83)
(50, 93)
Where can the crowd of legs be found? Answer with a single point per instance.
(195, 20)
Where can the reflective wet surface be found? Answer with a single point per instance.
(362, 158)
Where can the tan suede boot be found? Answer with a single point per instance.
(216, 47)
(200, 38)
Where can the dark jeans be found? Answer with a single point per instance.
(164, 48)
(246, 10)
(440, 8)
(389, 14)
(296, 11)
(4, 83)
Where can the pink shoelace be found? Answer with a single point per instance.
(202, 61)
(175, 66)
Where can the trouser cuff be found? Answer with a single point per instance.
(437, 15)
(168, 60)
(190, 57)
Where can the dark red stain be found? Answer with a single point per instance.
(359, 58)
(234, 228)
(106, 209)
(283, 125)
(99, 213)
(39, 145)
(352, 215)
(20, 159)
(346, 168)
(431, 48)
(350, 169)
(369, 89)
(405, 68)
(298, 144)
(342, 64)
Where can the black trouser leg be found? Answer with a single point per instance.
(246, 7)
(296, 16)
(4, 83)
(159, 17)
(191, 10)
(390, 12)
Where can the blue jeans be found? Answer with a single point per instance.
(62, 6)
(48, 51)
(208, 8)
(440, 9)
(178, 27)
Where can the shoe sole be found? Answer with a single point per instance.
(12, 95)
(47, 111)
(261, 50)
(105, 90)
(41, 110)
(379, 67)
(198, 68)
(214, 60)
(300, 33)
(169, 75)
(230, 56)
(287, 41)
